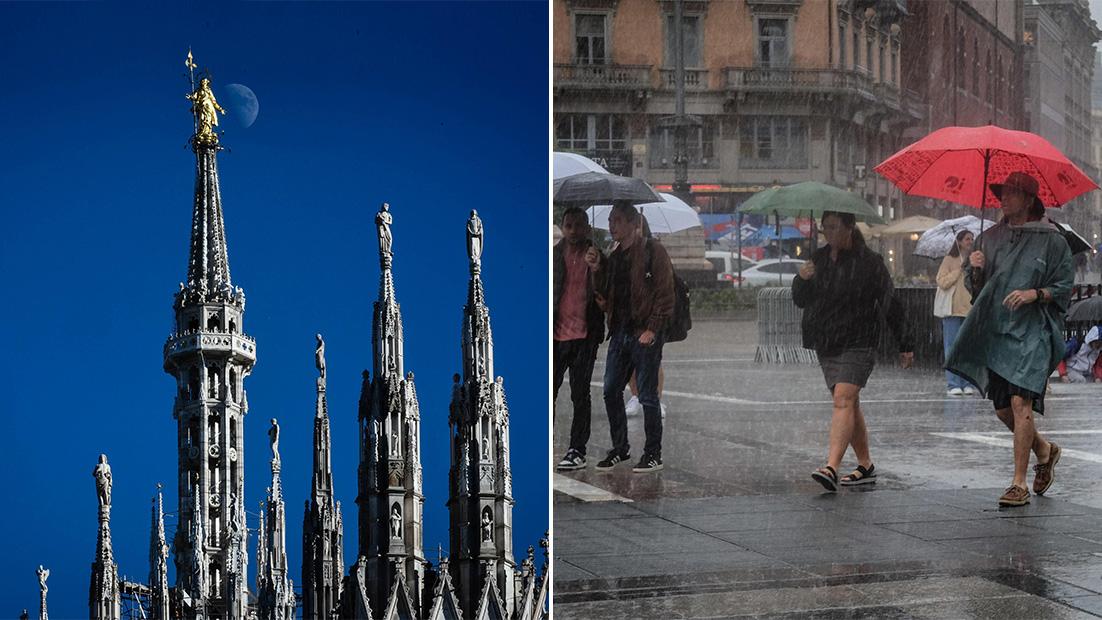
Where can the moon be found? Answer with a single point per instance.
(242, 104)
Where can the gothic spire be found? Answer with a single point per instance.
(103, 593)
(323, 527)
(480, 499)
(208, 264)
(277, 598)
(391, 501)
(158, 561)
(209, 355)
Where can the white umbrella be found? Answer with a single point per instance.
(669, 216)
(567, 164)
(937, 241)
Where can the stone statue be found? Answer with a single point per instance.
(102, 474)
(205, 108)
(395, 522)
(487, 527)
(319, 355)
(273, 437)
(383, 220)
(474, 239)
(43, 575)
(394, 443)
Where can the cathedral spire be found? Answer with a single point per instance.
(390, 500)
(480, 499)
(323, 527)
(209, 355)
(276, 600)
(103, 593)
(158, 561)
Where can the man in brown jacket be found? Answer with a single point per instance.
(634, 286)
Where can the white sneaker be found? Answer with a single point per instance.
(956, 392)
(968, 391)
(633, 407)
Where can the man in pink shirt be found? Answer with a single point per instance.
(578, 328)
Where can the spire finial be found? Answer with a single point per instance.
(102, 474)
(383, 220)
(319, 358)
(474, 242)
(273, 438)
(43, 574)
(204, 107)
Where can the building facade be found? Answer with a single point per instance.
(781, 91)
(209, 356)
(1060, 38)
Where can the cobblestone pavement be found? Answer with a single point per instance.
(734, 526)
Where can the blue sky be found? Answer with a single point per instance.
(434, 108)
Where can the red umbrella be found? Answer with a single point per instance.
(958, 163)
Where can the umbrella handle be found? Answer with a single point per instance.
(983, 190)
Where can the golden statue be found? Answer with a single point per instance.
(205, 108)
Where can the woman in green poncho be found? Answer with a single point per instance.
(1020, 275)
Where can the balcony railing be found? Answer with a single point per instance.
(786, 80)
(603, 76)
(695, 79)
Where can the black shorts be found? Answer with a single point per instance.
(850, 366)
(999, 391)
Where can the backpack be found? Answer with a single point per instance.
(681, 321)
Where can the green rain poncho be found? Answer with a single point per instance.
(1024, 345)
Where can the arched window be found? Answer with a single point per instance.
(193, 323)
(233, 385)
(214, 323)
(233, 326)
(213, 381)
(193, 383)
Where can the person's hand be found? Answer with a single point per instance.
(807, 270)
(906, 359)
(646, 338)
(1064, 379)
(1017, 299)
(601, 302)
(593, 258)
(976, 259)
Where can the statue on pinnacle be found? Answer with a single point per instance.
(204, 106)
(474, 241)
(383, 220)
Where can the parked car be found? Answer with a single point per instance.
(764, 273)
(727, 264)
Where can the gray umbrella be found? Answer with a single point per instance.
(1075, 241)
(594, 188)
(1089, 309)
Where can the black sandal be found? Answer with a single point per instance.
(859, 476)
(829, 480)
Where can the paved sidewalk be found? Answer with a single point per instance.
(735, 527)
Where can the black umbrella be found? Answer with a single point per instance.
(1087, 310)
(1075, 241)
(595, 188)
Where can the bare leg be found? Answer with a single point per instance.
(1040, 445)
(1025, 437)
(860, 440)
(841, 422)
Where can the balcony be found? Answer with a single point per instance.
(810, 81)
(695, 79)
(614, 77)
(238, 345)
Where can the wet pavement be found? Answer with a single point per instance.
(734, 526)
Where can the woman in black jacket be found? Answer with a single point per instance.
(845, 291)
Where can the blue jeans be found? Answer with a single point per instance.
(625, 354)
(950, 325)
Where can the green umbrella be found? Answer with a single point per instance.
(810, 199)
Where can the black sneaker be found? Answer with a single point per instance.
(573, 460)
(648, 464)
(612, 460)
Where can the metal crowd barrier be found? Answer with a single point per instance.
(780, 340)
